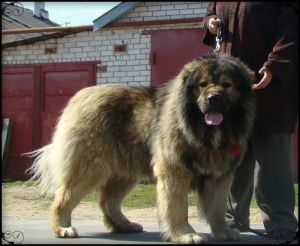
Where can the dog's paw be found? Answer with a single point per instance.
(128, 228)
(67, 232)
(190, 238)
(134, 227)
(183, 233)
(228, 234)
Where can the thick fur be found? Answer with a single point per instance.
(110, 137)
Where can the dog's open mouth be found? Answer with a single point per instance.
(214, 119)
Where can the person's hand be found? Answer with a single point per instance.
(265, 80)
(213, 25)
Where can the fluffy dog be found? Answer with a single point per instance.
(190, 135)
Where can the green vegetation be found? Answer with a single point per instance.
(17, 183)
(142, 196)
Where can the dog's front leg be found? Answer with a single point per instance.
(212, 204)
(173, 185)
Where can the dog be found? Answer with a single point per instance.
(189, 135)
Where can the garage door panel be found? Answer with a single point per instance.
(49, 121)
(21, 136)
(16, 167)
(14, 104)
(168, 58)
(55, 104)
(20, 84)
(22, 133)
(17, 105)
(58, 83)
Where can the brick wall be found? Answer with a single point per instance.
(166, 11)
(130, 67)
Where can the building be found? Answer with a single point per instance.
(15, 16)
(135, 43)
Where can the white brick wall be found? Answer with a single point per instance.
(131, 67)
(166, 11)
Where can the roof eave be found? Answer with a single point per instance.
(114, 14)
(38, 38)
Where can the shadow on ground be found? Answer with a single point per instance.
(148, 237)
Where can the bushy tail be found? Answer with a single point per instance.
(40, 171)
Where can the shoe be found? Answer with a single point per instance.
(241, 228)
(283, 234)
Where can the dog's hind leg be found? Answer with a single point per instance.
(111, 196)
(66, 199)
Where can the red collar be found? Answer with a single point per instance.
(234, 150)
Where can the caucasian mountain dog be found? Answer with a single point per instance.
(189, 135)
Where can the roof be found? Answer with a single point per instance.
(114, 14)
(37, 35)
(14, 17)
(23, 17)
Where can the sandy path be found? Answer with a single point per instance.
(25, 203)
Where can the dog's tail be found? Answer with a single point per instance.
(41, 171)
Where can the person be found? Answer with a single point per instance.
(264, 36)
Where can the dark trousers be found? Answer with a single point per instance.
(272, 183)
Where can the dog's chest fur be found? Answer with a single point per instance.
(208, 161)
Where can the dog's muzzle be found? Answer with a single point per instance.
(216, 105)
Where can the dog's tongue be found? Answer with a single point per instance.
(213, 118)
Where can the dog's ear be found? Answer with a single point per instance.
(248, 77)
(248, 74)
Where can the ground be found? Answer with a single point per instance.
(26, 203)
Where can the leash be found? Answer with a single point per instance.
(218, 40)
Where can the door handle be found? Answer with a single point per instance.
(153, 58)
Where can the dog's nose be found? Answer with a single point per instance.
(216, 102)
(215, 99)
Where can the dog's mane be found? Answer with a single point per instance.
(236, 121)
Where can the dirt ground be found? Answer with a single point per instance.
(25, 203)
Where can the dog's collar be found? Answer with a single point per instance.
(234, 150)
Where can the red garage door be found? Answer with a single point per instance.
(17, 104)
(33, 97)
(171, 49)
(59, 83)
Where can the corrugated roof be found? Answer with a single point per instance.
(25, 16)
(114, 14)
(17, 17)
(9, 24)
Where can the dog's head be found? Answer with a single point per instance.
(216, 85)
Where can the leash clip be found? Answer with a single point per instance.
(218, 41)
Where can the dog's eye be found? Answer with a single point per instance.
(226, 84)
(203, 84)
